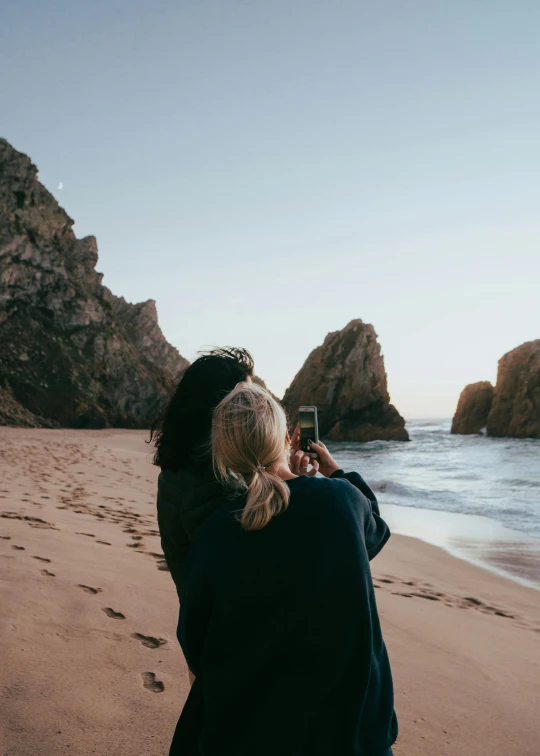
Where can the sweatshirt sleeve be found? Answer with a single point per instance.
(179, 518)
(195, 612)
(175, 544)
(376, 531)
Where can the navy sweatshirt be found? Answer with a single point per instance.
(280, 627)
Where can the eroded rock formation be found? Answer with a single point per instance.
(345, 378)
(473, 408)
(71, 353)
(516, 406)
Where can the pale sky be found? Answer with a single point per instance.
(268, 170)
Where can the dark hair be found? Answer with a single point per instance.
(182, 434)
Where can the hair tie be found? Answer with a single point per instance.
(260, 468)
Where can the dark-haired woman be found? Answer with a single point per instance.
(188, 492)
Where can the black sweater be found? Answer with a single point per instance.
(280, 626)
(186, 499)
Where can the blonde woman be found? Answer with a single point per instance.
(279, 621)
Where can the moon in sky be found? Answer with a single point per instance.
(60, 185)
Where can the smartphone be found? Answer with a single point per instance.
(309, 428)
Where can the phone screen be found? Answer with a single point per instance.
(309, 430)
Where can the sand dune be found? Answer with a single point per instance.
(91, 664)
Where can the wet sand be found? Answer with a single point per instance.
(88, 616)
(480, 540)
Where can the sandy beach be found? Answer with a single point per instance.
(90, 661)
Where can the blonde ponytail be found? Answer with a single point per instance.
(248, 437)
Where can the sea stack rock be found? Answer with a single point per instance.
(345, 378)
(473, 408)
(71, 353)
(516, 406)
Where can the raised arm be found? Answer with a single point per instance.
(376, 531)
(358, 482)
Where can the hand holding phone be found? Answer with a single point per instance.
(327, 464)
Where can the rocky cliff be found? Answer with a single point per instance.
(13, 413)
(473, 408)
(71, 353)
(516, 406)
(345, 378)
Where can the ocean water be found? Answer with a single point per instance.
(478, 497)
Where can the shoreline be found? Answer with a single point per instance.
(479, 540)
(89, 617)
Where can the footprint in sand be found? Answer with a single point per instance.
(149, 641)
(465, 602)
(18, 548)
(105, 543)
(6, 538)
(34, 522)
(89, 589)
(150, 682)
(41, 559)
(485, 609)
(428, 596)
(47, 573)
(111, 613)
(37, 523)
(90, 535)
